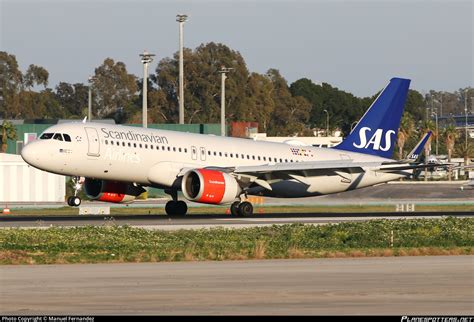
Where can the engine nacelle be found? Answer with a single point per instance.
(111, 191)
(209, 186)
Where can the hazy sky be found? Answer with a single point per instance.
(354, 45)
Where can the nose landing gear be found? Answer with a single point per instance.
(75, 201)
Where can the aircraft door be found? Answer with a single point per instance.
(93, 141)
(203, 153)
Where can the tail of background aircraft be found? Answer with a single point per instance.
(377, 130)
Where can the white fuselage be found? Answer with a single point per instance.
(157, 158)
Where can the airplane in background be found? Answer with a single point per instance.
(118, 161)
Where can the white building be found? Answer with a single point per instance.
(20, 182)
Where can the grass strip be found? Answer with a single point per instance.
(259, 209)
(126, 244)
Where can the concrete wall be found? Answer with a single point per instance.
(20, 182)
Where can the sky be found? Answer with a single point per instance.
(354, 45)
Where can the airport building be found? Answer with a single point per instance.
(24, 183)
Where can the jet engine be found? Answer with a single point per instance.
(209, 186)
(111, 191)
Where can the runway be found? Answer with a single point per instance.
(439, 285)
(197, 221)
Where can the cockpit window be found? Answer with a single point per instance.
(58, 136)
(67, 137)
(46, 136)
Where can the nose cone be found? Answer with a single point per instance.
(30, 154)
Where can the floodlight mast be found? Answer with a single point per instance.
(146, 59)
(223, 71)
(89, 105)
(181, 18)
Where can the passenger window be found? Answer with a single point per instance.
(242, 156)
(248, 157)
(118, 143)
(134, 145)
(220, 154)
(163, 147)
(106, 142)
(123, 143)
(214, 153)
(225, 154)
(146, 146)
(129, 144)
(67, 138)
(46, 136)
(174, 149)
(208, 152)
(58, 137)
(169, 149)
(253, 157)
(151, 147)
(179, 149)
(185, 150)
(258, 158)
(281, 160)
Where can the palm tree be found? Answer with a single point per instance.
(465, 152)
(407, 127)
(450, 139)
(8, 133)
(426, 126)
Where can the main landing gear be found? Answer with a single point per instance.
(241, 209)
(75, 201)
(175, 207)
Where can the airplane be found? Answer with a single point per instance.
(118, 161)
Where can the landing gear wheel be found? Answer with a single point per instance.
(176, 208)
(74, 201)
(234, 208)
(181, 208)
(246, 209)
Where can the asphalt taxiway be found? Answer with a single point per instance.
(430, 285)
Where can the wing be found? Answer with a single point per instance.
(263, 174)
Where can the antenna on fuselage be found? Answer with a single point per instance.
(84, 120)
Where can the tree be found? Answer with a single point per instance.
(35, 75)
(290, 114)
(73, 99)
(259, 104)
(203, 83)
(8, 133)
(407, 127)
(450, 139)
(10, 85)
(114, 87)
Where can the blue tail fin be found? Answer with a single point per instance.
(414, 154)
(377, 130)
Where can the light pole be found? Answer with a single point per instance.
(327, 122)
(223, 71)
(146, 59)
(437, 134)
(89, 109)
(465, 113)
(181, 19)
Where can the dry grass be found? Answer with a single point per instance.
(295, 252)
(260, 249)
